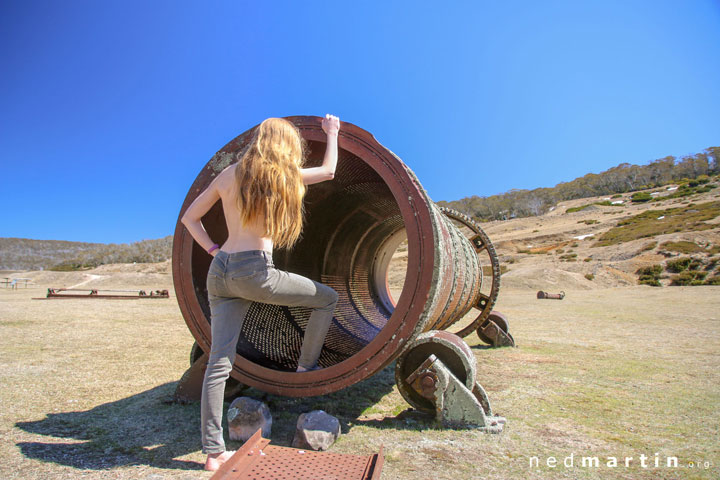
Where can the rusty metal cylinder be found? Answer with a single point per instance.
(354, 223)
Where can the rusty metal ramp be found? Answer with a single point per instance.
(258, 460)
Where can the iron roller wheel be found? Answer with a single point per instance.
(449, 349)
(500, 320)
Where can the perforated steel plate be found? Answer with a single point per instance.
(257, 460)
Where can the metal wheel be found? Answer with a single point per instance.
(449, 349)
(500, 320)
(483, 248)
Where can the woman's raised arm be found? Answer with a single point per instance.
(331, 127)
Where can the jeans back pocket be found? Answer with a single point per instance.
(246, 268)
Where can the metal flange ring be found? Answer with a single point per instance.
(481, 243)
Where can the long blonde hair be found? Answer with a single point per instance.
(269, 183)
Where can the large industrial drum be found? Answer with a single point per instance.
(354, 224)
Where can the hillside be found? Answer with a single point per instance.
(591, 243)
(27, 254)
(622, 178)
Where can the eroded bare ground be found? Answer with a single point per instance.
(604, 372)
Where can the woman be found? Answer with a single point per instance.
(262, 197)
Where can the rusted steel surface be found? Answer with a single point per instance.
(353, 225)
(551, 296)
(92, 293)
(257, 460)
(490, 284)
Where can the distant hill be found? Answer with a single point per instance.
(27, 254)
(621, 179)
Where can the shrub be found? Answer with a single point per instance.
(589, 276)
(578, 209)
(71, 267)
(588, 259)
(641, 197)
(679, 264)
(688, 278)
(652, 281)
(649, 246)
(617, 195)
(653, 270)
(681, 247)
(714, 280)
(650, 275)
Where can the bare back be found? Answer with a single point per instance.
(240, 237)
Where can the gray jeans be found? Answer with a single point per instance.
(234, 281)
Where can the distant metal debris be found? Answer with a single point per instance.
(550, 296)
(64, 293)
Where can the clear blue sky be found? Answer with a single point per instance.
(109, 109)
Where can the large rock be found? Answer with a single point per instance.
(316, 431)
(245, 416)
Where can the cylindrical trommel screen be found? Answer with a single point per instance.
(353, 225)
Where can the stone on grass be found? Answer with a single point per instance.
(245, 416)
(316, 431)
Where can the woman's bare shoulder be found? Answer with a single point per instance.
(226, 179)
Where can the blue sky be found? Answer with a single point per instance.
(108, 110)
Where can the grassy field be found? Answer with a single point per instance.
(618, 372)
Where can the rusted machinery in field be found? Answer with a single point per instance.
(550, 296)
(94, 293)
(354, 224)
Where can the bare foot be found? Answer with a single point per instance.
(214, 460)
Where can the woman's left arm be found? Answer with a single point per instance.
(331, 127)
(192, 218)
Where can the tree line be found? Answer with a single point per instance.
(27, 254)
(623, 178)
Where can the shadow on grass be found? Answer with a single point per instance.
(138, 430)
(146, 429)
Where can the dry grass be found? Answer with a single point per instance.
(658, 222)
(604, 372)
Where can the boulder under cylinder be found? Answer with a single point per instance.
(354, 225)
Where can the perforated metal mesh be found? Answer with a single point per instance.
(287, 463)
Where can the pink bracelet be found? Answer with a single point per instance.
(213, 248)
